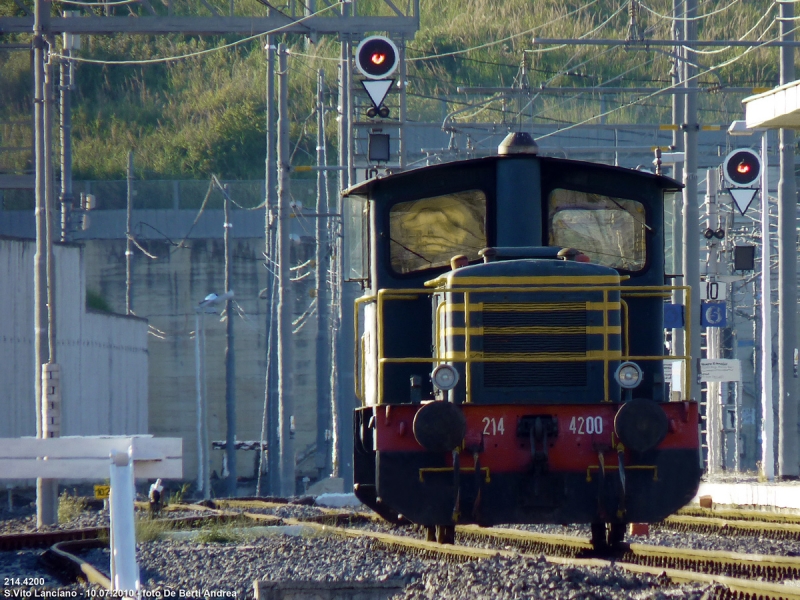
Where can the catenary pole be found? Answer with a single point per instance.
(199, 409)
(337, 350)
(67, 199)
(714, 422)
(285, 401)
(767, 408)
(272, 261)
(677, 172)
(205, 440)
(48, 488)
(330, 282)
(321, 258)
(45, 508)
(402, 153)
(350, 131)
(788, 463)
(268, 424)
(50, 207)
(230, 354)
(128, 234)
(691, 242)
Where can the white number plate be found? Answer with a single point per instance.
(492, 426)
(586, 425)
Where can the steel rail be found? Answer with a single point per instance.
(737, 587)
(741, 528)
(676, 564)
(737, 514)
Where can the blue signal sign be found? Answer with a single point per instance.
(713, 314)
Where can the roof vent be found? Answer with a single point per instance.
(518, 143)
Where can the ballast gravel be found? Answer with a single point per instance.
(219, 568)
(186, 569)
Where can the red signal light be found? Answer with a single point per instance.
(742, 168)
(377, 57)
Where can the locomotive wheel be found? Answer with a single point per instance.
(599, 537)
(446, 534)
(607, 536)
(430, 533)
(616, 535)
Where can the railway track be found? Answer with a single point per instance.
(743, 575)
(739, 575)
(775, 526)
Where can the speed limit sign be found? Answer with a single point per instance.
(713, 290)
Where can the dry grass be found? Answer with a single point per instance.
(70, 507)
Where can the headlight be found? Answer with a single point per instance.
(628, 375)
(445, 377)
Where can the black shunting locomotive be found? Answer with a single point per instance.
(510, 347)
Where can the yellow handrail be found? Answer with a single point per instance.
(470, 357)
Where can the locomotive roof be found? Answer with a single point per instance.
(368, 187)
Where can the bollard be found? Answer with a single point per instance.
(124, 570)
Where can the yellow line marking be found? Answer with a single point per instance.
(528, 307)
(544, 330)
(547, 280)
(477, 356)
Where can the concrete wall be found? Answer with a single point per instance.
(103, 357)
(165, 290)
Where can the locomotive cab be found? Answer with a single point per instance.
(518, 385)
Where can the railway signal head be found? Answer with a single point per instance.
(742, 168)
(377, 57)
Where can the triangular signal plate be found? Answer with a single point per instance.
(377, 90)
(742, 197)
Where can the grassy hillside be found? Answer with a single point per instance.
(205, 114)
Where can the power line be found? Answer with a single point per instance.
(505, 39)
(198, 53)
(698, 18)
(693, 77)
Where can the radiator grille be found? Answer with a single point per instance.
(534, 329)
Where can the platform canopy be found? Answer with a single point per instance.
(777, 108)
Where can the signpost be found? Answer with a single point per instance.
(720, 370)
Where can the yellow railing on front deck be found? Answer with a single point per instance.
(470, 357)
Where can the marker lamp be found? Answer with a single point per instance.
(445, 377)
(628, 375)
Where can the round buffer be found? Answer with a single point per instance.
(641, 424)
(440, 426)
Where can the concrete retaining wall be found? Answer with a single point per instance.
(103, 356)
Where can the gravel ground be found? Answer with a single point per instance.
(23, 520)
(196, 568)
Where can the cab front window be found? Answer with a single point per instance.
(611, 231)
(427, 233)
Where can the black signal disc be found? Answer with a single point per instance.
(742, 167)
(376, 57)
